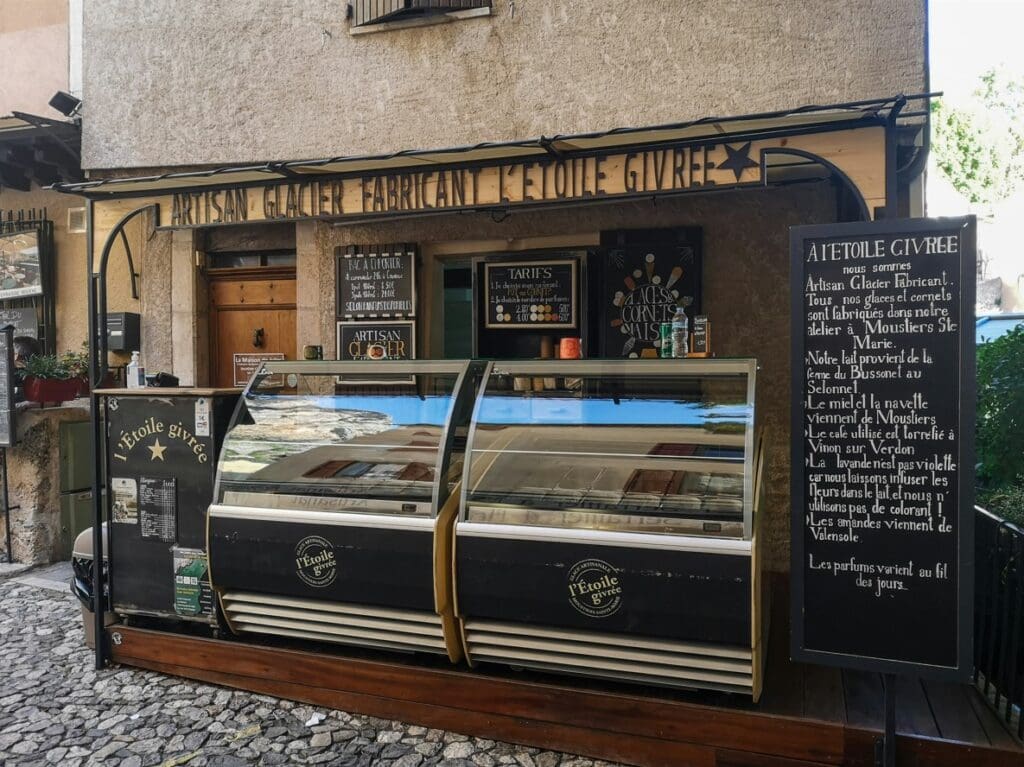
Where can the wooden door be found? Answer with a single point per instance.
(251, 313)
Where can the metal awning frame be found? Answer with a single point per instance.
(886, 112)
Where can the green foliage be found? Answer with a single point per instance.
(1006, 502)
(76, 363)
(980, 147)
(46, 366)
(1000, 430)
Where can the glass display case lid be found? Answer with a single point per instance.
(646, 446)
(344, 436)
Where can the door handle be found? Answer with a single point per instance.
(257, 337)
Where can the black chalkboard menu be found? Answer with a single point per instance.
(376, 281)
(883, 445)
(7, 428)
(644, 276)
(531, 294)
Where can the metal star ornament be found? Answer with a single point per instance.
(739, 159)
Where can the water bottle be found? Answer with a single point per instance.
(680, 333)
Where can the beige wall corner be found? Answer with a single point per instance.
(314, 287)
(185, 322)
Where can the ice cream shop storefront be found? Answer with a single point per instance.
(652, 445)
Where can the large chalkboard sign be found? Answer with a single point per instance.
(644, 276)
(376, 282)
(7, 427)
(883, 445)
(531, 294)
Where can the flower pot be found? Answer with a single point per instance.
(43, 390)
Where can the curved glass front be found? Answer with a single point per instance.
(641, 446)
(319, 436)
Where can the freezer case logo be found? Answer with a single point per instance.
(314, 561)
(594, 588)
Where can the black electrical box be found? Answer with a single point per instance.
(123, 332)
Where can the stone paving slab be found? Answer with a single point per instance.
(56, 709)
(10, 569)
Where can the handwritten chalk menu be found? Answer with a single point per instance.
(158, 508)
(530, 294)
(883, 392)
(376, 282)
(7, 435)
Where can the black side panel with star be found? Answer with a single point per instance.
(161, 464)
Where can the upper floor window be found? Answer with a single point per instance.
(367, 14)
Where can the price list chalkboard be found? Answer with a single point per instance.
(7, 387)
(530, 294)
(377, 283)
(882, 436)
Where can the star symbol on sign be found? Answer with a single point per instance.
(739, 159)
(157, 450)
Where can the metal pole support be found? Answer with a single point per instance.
(885, 747)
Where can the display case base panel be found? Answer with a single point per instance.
(365, 625)
(646, 661)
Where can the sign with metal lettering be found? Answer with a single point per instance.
(647, 172)
(883, 445)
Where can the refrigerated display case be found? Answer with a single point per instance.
(608, 522)
(335, 500)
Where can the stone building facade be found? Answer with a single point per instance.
(179, 87)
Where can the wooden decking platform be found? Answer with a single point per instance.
(807, 716)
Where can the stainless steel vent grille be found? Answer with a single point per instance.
(365, 625)
(659, 662)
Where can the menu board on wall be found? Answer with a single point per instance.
(531, 294)
(376, 282)
(883, 458)
(641, 286)
(7, 426)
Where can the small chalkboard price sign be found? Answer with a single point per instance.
(883, 445)
(376, 282)
(530, 294)
(7, 427)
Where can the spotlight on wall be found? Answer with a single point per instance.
(65, 103)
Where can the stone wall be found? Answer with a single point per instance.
(34, 481)
(182, 83)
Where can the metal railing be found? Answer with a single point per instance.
(999, 617)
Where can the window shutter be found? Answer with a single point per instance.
(380, 11)
(375, 11)
(449, 5)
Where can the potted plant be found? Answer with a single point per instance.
(48, 379)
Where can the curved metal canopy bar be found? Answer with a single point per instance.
(840, 176)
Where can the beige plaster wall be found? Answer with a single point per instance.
(33, 54)
(746, 284)
(190, 83)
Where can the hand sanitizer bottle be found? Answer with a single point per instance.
(134, 372)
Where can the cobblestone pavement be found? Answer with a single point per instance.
(55, 709)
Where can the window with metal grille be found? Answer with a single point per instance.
(365, 12)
